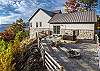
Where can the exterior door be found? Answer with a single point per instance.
(75, 34)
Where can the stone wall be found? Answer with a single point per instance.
(82, 34)
(67, 32)
(86, 34)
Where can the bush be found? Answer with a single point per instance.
(6, 57)
(10, 45)
(7, 35)
(3, 45)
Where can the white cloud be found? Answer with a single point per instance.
(3, 2)
(9, 19)
(3, 19)
(27, 7)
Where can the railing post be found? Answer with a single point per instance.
(43, 57)
(62, 68)
(42, 53)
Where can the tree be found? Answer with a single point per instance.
(10, 32)
(89, 4)
(98, 18)
(18, 25)
(7, 35)
(20, 21)
(79, 5)
(73, 6)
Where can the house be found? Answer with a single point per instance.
(40, 20)
(80, 25)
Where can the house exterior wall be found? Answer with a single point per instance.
(41, 16)
(86, 31)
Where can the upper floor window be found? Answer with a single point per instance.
(36, 24)
(30, 24)
(40, 24)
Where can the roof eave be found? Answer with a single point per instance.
(37, 12)
(72, 22)
(34, 14)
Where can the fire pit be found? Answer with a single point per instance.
(74, 54)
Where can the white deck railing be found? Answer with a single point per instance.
(49, 62)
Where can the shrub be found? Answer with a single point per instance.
(6, 57)
(10, 45)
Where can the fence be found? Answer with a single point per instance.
(49, 62)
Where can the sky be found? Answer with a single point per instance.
(98, 8)
(10, 10)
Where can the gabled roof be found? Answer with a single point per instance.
(57, 11)
(51, 14)
(76, 17)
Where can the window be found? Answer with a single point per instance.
(56, 29)
(30, 24)
(40, 24)
(36, 24)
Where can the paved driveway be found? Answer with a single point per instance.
(88, 61)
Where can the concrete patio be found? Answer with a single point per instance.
(87, 62)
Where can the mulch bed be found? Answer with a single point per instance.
(30, 60)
